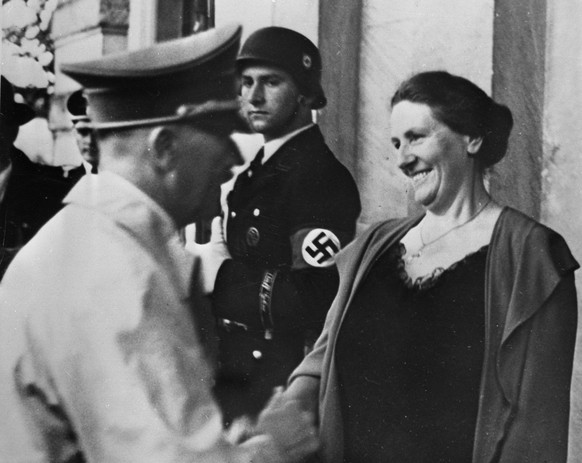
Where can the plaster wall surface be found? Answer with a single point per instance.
(300, 15)
(561, 205)
(399, 39)
(75, 16)
(143, 16)
(519, 54)
(561, 201)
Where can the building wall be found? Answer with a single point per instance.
(518, 81)
(561, 198)
(399, 39)
(301, 15)
(561, 174)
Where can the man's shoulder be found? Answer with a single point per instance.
(85, 247)
(308, 152)
(520, 235)
(309, 140)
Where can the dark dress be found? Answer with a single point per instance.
(409, 360)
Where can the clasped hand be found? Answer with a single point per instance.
(291, 429)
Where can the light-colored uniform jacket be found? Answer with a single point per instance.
(98, 354)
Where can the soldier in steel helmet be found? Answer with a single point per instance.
(84, 134)
(111, 369)
(288, 214)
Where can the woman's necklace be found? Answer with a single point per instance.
(423, 245)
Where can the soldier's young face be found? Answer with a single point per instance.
(270, 100)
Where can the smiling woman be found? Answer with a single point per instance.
(457, 344)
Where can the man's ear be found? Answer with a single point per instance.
(474, 144)
(162, 144)
(305, 100)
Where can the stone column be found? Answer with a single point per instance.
(143, 17)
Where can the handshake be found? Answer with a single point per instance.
(285, 432)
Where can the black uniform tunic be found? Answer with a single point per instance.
(300, 188)
(409, 358)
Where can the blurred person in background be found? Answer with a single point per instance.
(84, 134)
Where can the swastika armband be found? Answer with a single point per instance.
(319, 247)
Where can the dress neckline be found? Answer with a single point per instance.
(431, 279)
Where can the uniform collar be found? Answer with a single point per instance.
(272, 146)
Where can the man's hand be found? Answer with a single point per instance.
(211, 255)
(292, 429)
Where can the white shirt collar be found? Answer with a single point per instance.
(272, 146)
(87, 166)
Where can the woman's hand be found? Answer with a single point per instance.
(290, 425)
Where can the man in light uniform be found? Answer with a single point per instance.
(99, 356)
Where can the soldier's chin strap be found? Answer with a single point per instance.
(265, 297)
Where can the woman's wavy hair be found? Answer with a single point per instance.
(464, 108)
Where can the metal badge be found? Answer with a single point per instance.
(253, 236)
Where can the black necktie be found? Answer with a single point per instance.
(256, 163)
(93, 169)
(245, 179)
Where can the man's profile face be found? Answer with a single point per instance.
(269, 100)
(205, 162)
